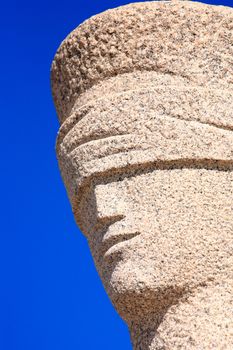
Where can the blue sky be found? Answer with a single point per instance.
(51, 296)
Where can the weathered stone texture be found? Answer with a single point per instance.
(144, 94)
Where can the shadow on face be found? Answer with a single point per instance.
(158, 232)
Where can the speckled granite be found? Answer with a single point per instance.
(144, 94)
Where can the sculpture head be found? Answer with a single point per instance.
(146, 147)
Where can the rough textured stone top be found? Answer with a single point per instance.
(191, 40)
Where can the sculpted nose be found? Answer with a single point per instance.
(110, 202)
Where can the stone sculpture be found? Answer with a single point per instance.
(144, 94)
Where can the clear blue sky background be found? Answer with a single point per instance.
(50, 295)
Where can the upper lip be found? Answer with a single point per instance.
(118, 238)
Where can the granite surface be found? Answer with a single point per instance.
(144, 94)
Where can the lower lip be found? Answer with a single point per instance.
(117, 248)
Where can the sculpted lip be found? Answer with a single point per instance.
(116, 239)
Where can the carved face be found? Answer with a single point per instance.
(163, 223)
(145, 148)
(158, 232)
(151, 188)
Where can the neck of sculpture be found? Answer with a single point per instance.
(202, 320)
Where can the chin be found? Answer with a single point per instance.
(136, 291)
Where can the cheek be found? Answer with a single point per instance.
(180, 254)
(185, 234)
